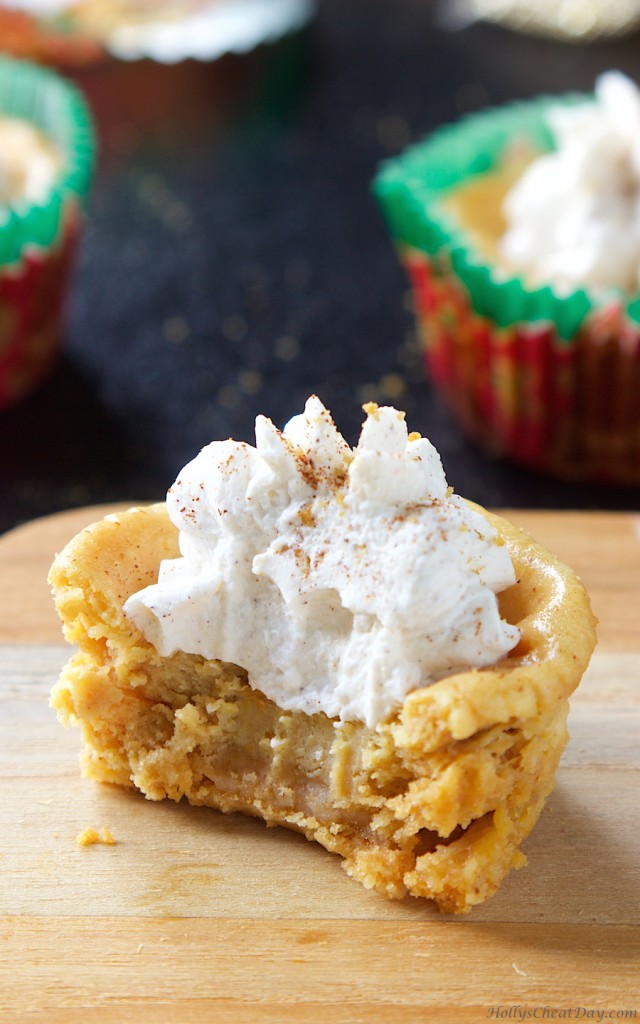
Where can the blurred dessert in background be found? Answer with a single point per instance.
(80, 31)
(46, 159)
(520, 229)
(569, 218)
(571, 20)
(166, 67)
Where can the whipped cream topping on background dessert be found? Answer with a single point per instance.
(213, 29)
(174, 30)
(339, 579)
(574, 216)
(29, 164)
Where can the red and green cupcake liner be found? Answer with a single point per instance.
(37, 240)
(551, 382)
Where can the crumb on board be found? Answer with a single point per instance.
(92, 837)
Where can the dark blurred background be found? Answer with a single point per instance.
(234, 260)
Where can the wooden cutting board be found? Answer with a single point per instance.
(197, 916)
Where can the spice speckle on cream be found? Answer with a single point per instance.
(339, 579)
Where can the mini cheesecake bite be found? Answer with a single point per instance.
(330, 639)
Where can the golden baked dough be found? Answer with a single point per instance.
(433, 803)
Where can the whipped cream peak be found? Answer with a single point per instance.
(340, 579)
(573, 218)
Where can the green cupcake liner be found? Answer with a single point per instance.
(57, 108)
(410, 187)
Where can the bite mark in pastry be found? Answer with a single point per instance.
(431, 795)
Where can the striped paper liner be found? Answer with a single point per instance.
(565, 406)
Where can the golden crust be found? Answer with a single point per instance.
(434, 803)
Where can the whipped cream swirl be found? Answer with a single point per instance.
(573, 219)
(339, 579)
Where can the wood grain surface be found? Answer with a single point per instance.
(197, 916)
